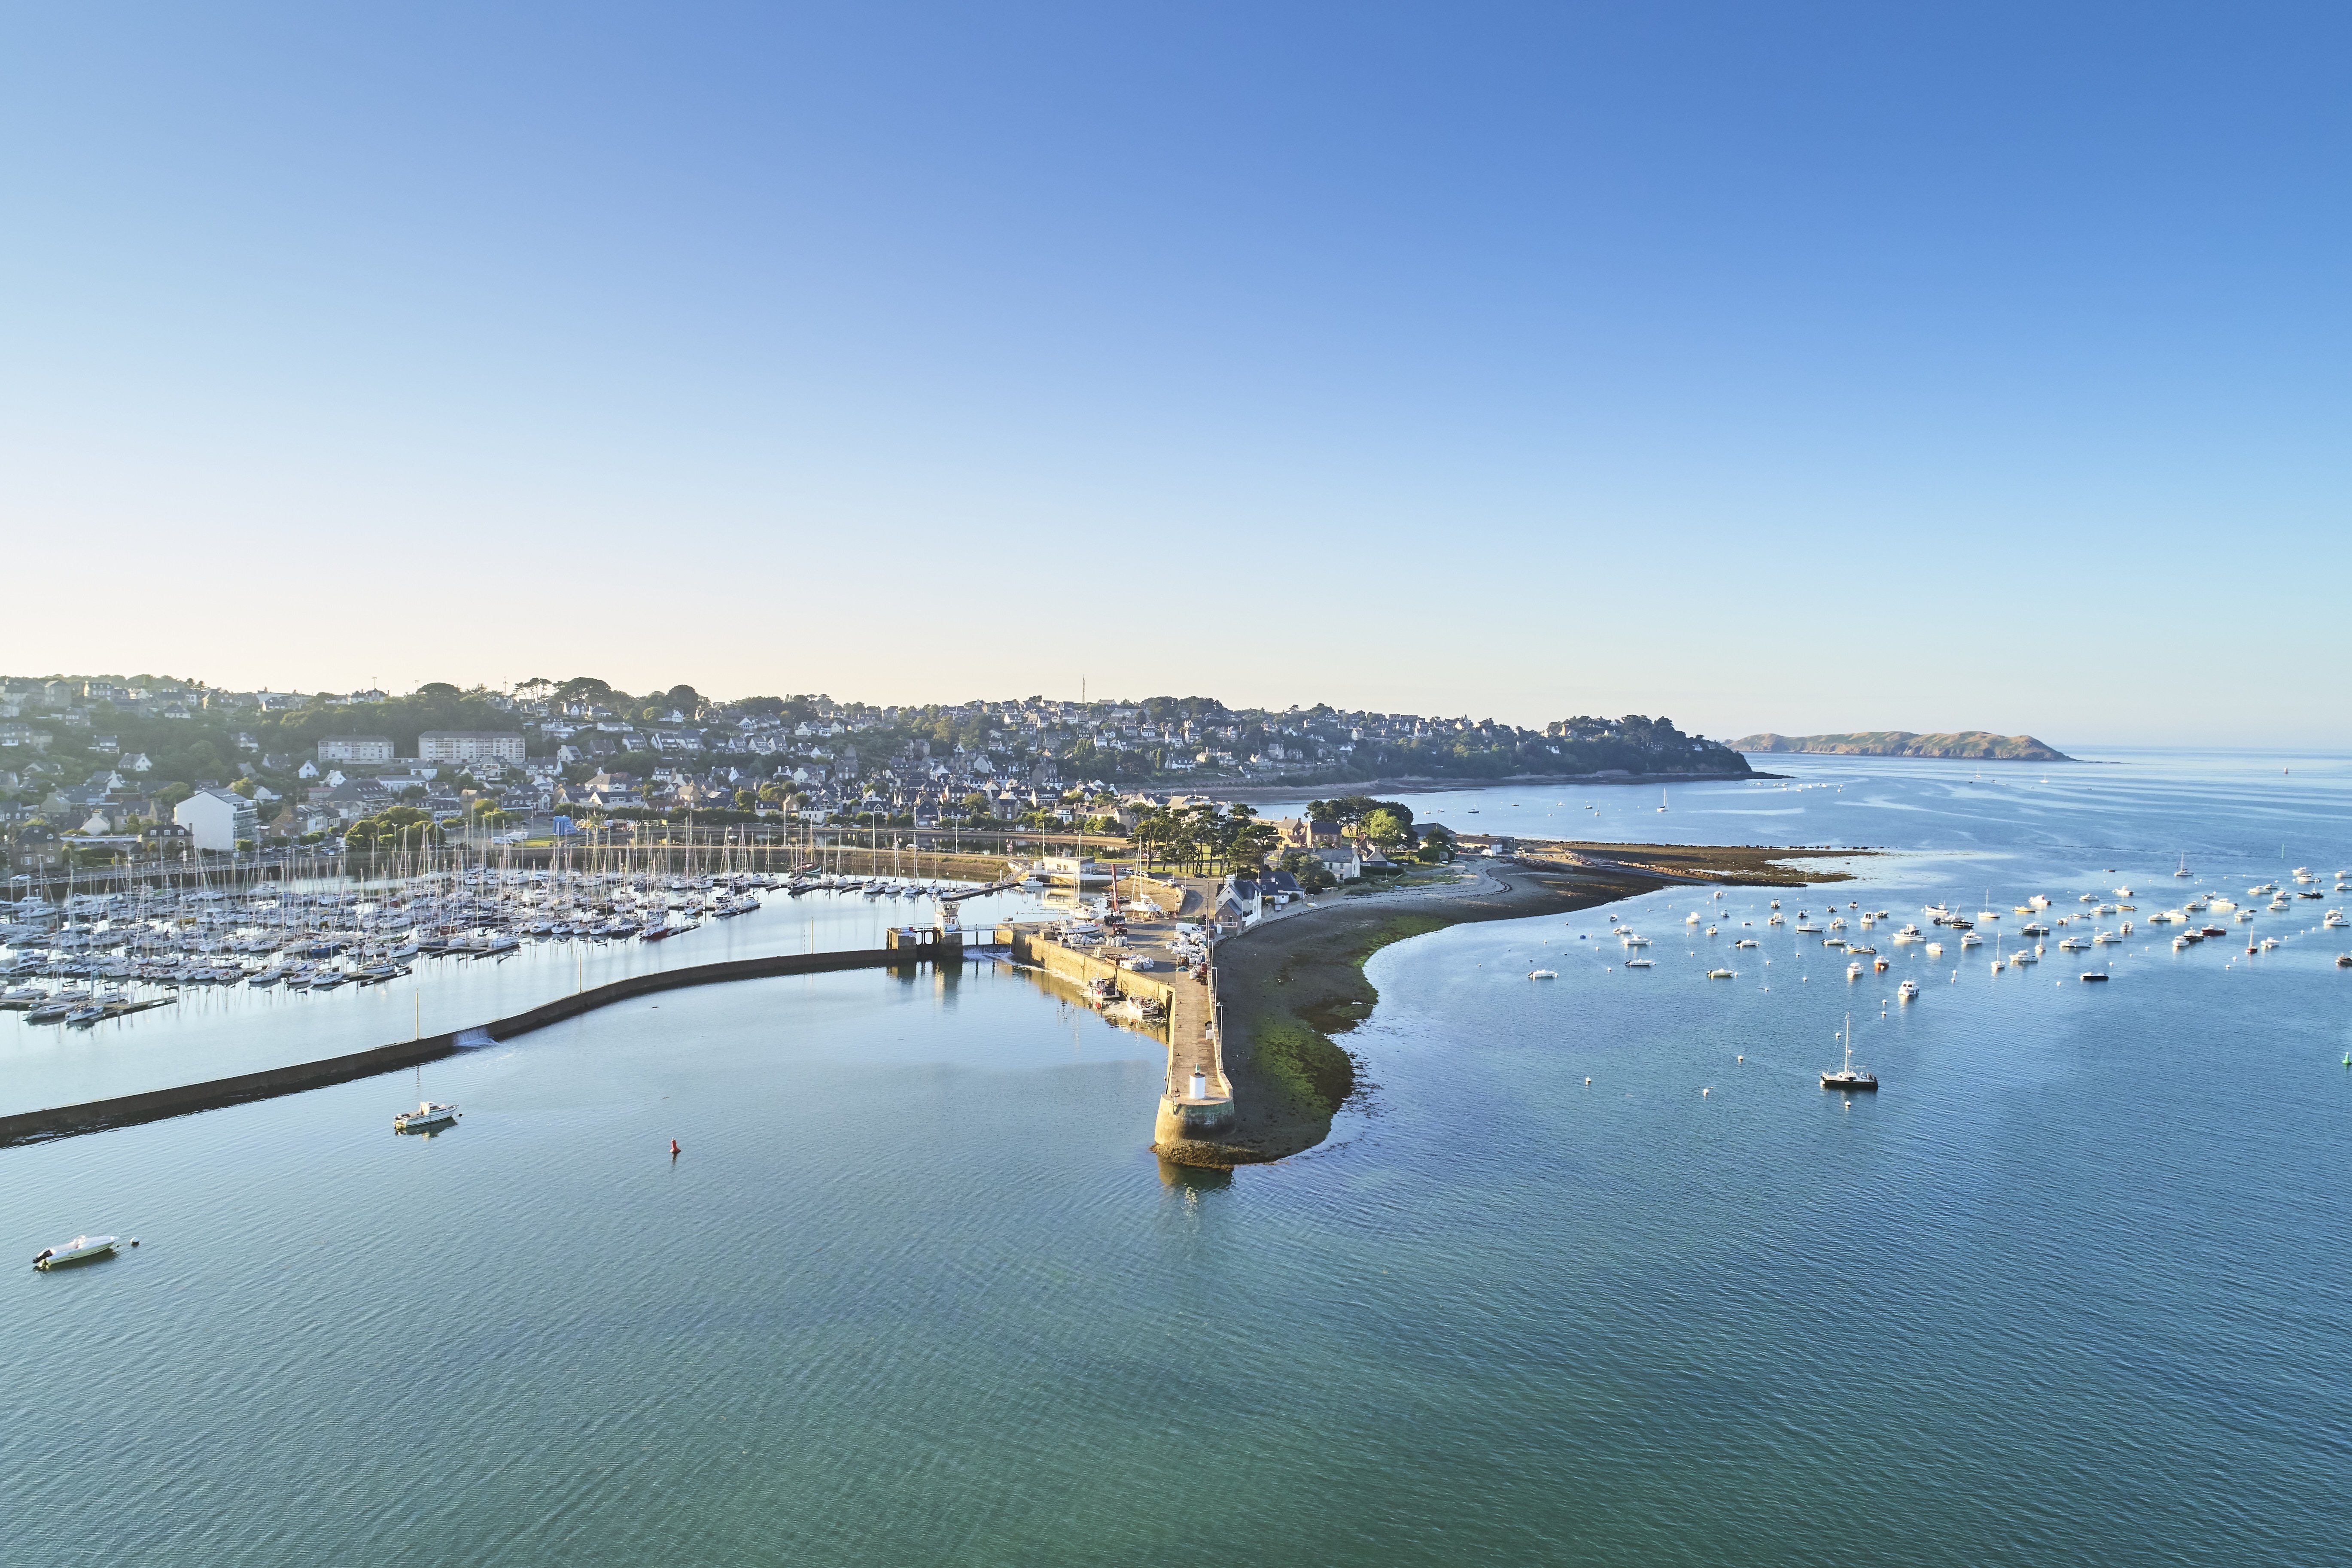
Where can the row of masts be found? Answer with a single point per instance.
(227, 919)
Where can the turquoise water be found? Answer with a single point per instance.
(2069, 1289)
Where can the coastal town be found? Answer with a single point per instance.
(99, 769)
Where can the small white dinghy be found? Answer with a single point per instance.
(80, 1250)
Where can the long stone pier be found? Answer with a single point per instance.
(1196, 1097)
(155, 1105)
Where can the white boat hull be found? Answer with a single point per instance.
(80, 1250)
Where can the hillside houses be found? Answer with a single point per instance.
(310, 764)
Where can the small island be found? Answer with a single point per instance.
(1965, 744)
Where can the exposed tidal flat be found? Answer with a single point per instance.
(915, 1292)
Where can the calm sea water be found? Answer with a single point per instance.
(2070, 1288)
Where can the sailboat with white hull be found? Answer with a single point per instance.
(1849, 1078)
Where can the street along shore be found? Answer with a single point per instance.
(1292, 984)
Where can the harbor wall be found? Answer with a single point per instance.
(1078, 967)
(156, 1104)
(1180, 1120)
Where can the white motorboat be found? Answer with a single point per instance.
(80, 1250)
(1854, 971)
(1745, 942)
(1969, 939)
(1543, 974)
(1909, 990)
(428, 1113)
(1637, 964)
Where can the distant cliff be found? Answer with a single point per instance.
(1967, 745)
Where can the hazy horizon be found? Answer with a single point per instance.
(1805, 371)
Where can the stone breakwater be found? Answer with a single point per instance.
(155, 1105)
(1196, 1100)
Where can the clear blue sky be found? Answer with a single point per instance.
(1777, 367)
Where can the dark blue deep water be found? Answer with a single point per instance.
(2071, 1287)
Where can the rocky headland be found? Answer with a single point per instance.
(1962, 745)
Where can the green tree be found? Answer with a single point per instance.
(1310, 871)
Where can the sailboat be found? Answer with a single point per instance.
(1662, 798)
(2184, 864)
(1849, 1078)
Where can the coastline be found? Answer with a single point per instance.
(1292, 983)
(1411, 785)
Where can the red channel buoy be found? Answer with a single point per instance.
(673, 1148)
